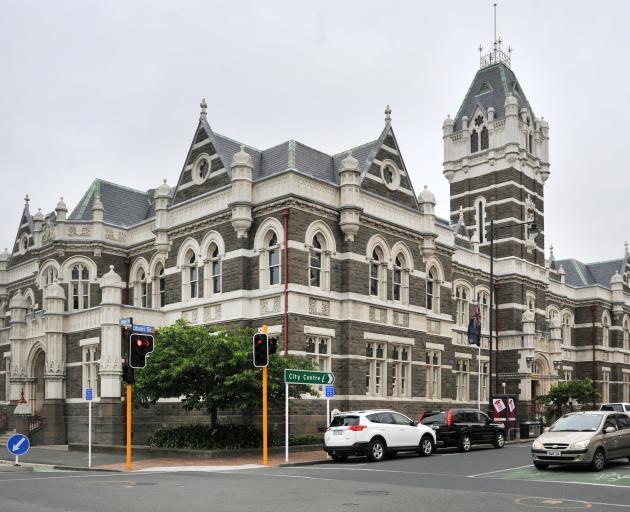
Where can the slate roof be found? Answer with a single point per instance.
(501, 81)
(580, 274)
(123, 206)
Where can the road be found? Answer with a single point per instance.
(485, 480)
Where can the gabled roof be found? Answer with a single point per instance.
(123, 206)
(580, 274)
(489, 88)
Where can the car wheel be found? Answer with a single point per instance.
(499, 441)
(465, 443)
(376, 450)
(340, 458)
(540, 465)
(599, 460)
(426, 446)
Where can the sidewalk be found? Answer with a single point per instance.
(59, 457)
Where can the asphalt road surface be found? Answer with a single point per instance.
(485, 480)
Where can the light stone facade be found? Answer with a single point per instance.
(337, 254)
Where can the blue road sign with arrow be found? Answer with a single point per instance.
(18, 444)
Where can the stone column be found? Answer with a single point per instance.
(55, 370)
(555, 339)
(18, 379)
(109, 415)
(528, 322)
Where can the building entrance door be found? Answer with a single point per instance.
(39, 386)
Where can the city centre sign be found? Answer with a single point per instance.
(308, 377)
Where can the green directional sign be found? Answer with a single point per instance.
(308, 377)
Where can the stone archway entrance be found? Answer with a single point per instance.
(38, 389)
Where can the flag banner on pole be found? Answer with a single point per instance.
(474, 328)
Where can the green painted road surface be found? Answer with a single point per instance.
(617, 475)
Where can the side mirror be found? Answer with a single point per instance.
(609, 430)
(546, 429)
(414, 423)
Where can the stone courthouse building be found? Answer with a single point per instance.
(338, 254)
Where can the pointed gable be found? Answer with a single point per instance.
(384, 172)
(24, 238)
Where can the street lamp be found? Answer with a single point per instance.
(532, 233)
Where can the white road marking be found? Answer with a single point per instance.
(199, 469)
(371, 470)
(101, 475)
(500, 471)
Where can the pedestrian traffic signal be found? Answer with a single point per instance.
(273, 345)
(261, 350)
(127, 375)
(140, 345)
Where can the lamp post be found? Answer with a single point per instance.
(532, 233)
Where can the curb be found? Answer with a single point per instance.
(33, 465)
(303, 463)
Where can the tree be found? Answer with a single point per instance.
(212, 369)
(581, 391)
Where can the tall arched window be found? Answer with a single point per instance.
(567, 328)
(626, 335)
(474, 141)
(315, 261)
(433, 290)
(80, 287)
(481, 219)
(605, 330)
(159, 286)
(141, 289)
(484, 138)
(375, 271)
(462, 299)
(399, 265)
(213, 270)
(273, 258)
(191, 272)
(49, 276)
(483, 300)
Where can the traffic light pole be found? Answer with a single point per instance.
(128, 427)
(264, 406)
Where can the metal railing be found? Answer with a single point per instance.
(35, 423)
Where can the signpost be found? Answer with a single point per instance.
(305, 377)
(89, 396)
(143, 329)
(18, 444)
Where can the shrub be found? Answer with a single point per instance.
(222, 437)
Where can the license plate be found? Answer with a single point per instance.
(554, 453)
(337, 432)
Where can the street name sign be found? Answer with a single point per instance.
(18, 444)
(308, 377)
(126, 321)
(142, 329)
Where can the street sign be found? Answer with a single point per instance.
(308, 377)
(88, 394)
(126, 321)
(143, 329)
(330, 391)
(18, 444)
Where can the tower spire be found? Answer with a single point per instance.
(496, 55)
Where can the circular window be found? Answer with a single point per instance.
(201, 169)
(23, 244)
(390, 174)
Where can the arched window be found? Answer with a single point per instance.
(474, 141)
(191, 275)
(80, 287)
(141, 289)
(531, 302)
(433, 290)
(462, 299)
(530, 142)
(626, 336)
(375, 271)
(567, 329)
(213, 270)
(316, 261)
(273, 258)
(268, 242)
(484, 138)
(605, 330)
(483, 300)
(399, 264)
(49, 276)
(159, 286)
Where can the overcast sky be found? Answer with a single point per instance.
(111, 90)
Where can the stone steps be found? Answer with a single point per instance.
(5, 437)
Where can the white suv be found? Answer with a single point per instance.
(376, 433)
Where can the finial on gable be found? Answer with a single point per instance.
(203, 106)
(26, 201)
(388, 115)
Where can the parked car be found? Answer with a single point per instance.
(464, 428)
(616, 407)
(376, 433)
(589, 438)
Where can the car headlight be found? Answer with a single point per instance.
(581, 444)
(537, 445)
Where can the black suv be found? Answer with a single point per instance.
(463, 428)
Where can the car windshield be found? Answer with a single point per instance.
(578, 423)
(344, 421)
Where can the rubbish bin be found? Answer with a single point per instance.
(530, 429)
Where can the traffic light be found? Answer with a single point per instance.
(140, 345)
(273, 345)
(261, 350)
(127, 374)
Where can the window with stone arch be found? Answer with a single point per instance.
(319, 241)
(213, 270)
(462, 302)
(433, 290)
(268, 242)
(79, 287)
(479, 136)
(316, 261)
(567, 328)
(605, 329)
(376, 269)
(483, 301)
(141, 287)
(626, 334)
(402, 266)
(530, 302)
(159, 285)
(273, 265)
(480, 219)
(48, 275)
